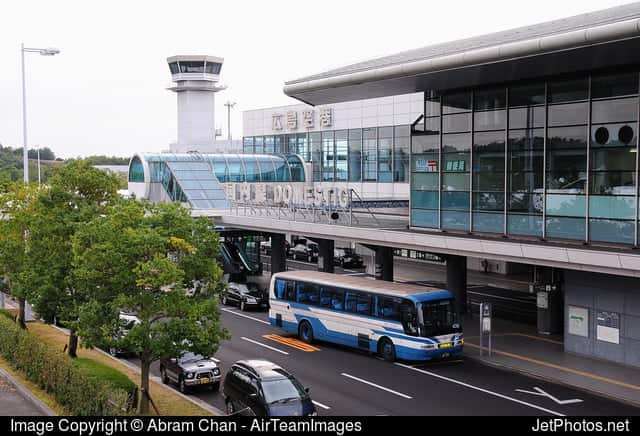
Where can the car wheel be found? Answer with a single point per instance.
(305, 332)
(163, 376)
(387, 350)
(215, 386)
(243, 306)
(182, 387)
(230, 409)
(113, 351)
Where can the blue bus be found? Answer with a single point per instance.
(397, 321)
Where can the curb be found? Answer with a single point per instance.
(27, 394)
(206, 406)
(485, 361)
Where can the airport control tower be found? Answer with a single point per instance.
(196, 80)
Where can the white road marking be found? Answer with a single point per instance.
(264, 345)
(215, 360)
(480, 389)
(245, 316)
(542, 393)
(377, 386)
(320, 405)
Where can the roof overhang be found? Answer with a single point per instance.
(195, 58)
(611, 45)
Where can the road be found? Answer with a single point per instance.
(348, 382)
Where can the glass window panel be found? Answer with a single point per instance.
(567, 114)
(425, 143)
(525, 181)
(488, 222)
(455, 200)
(524, 225)
(432, 106)
(190, 184)
(456, 123)
(613, 183)
(259, 144)
(213, 68)
(424, 181)
(455, 162)
(488, 201)
(328, 158)
(526, 160)
(489, 142)
(136, 171)
(526, 117)
(566, 205)
(355, 155)
(315, 147)
(608, 111)
(567, 137)
(173, 66)
(613, 135)
(567, 172)
(487, 99)
(191, 66)
(568, 90)
(401, 159)
(526, 95)
(424, 218)
(402, 131)
(252, 170)
(459, 102)
(268, 144)
(614, 85)
(214, 194)
(456, 142)
(566, 228)
(455, 220)
(385, 132)
(488, 180)
(613, 159)
(369, 133)
(424, 199)
(611, 231)
(526, 203)
(342, 148)
(431, 125)
(526, 139)
(610, 206)
(303, 147)
(489, 120)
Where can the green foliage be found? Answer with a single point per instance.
(7, 314)
(75, 388)
(101, 372)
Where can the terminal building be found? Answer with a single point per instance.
(519, 146)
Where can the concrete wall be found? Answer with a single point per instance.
(608, 293)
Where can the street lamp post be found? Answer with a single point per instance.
(43, 52)
(229, 106)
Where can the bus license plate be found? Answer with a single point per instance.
(445, 345)
(204, 381)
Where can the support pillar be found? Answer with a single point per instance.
(325, 255)
(278, 253)
(384, 263)
(457, 281)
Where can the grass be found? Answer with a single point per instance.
(166, 399)
(105, 373)
(7, 313)
(34, 388)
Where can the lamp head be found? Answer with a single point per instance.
(49, 51)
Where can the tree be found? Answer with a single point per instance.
(158, 263)
(76, 194)
(16, 206)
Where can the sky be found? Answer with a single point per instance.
(105, 93)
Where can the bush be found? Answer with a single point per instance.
(111, 376)
(7, 314)
(73, 387)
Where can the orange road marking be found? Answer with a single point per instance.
(560, 368)
(291, 342)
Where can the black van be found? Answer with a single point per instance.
(262, 388)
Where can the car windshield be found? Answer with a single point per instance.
(282, 390)
(438, 318)
(190, 357)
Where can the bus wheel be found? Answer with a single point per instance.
(305, 332)
(387, 350)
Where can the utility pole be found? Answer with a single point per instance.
(229, 106)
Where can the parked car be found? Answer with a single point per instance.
(265, 246)
(126, 322)
(262, 388)
(305, 251)
(245, 295)
(190, 370)
(346, 257)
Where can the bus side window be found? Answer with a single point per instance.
(337, 299)
(313, 293)
(363, 304)
(301, 292)
(290, 293)
(280, 285)
(389, 308)
(325, 296)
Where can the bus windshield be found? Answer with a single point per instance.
(438, 318)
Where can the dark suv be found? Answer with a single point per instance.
(262, 388)
(346, 257)
(305, 250)
(190, 370)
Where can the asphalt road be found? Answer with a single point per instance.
(347, 382)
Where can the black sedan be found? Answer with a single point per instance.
(245, 295)
(346, 257)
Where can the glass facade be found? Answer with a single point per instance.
(375, 154)
(553, 160)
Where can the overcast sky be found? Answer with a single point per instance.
(105, 93)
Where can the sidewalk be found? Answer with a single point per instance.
(520, 348)
(16, 400)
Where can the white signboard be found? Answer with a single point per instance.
(579, 321)
(608, 327)
(287, 195)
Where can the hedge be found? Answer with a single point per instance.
(106, 374)
(71, 386)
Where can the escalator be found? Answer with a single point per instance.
(236, 262)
